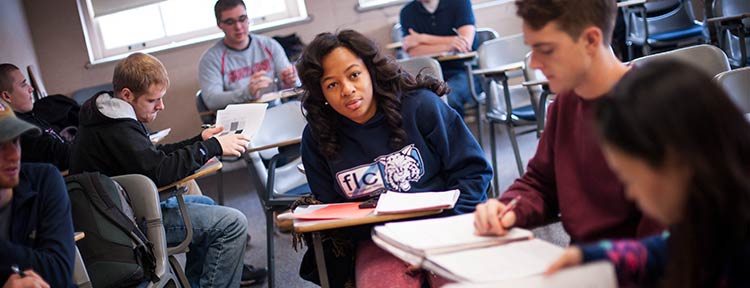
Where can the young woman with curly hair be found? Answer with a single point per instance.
(372, 128)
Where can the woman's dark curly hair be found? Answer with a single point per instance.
(389, 83)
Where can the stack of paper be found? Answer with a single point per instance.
(449, 247)
(242, 119)
(395, 202)
(331, 211)
(595, 275)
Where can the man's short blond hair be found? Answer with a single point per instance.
(138, 72)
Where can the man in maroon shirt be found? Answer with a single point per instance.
(568, 177)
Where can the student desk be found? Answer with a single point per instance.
(211, 166)
(500, 74)
(316, 226)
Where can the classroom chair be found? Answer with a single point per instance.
(39, 90)
(661, 25)
(483, 35)
(732, 21)
(708, 58)
(502, 97)
(397, 36)
(144, 200)
(426, 65)
(538, 88)
(278, 184)
(737, 84)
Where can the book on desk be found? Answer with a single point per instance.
(448, 247)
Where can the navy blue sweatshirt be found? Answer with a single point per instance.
(440, 154)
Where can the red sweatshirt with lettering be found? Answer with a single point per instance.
(568, 177)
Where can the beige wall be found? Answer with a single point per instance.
(16, 46)
(61, 50)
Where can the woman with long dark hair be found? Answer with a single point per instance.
(372, 128)
(682, 149)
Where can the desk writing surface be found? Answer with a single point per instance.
(78, 236)
(211, 166)
(318, 225)
(271, 96)
(394, 45)
(534, 83)
(499, 69)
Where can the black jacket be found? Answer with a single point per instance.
(48, 147)
(120, 145)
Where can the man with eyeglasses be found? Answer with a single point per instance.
(241, 66)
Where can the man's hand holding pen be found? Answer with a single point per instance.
(24, 279)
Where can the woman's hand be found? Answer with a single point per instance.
(571, 257)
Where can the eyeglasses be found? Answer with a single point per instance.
(232, 21)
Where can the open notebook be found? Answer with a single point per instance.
(449, 247)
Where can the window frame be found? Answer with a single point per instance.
(98, 54)
(363, 6)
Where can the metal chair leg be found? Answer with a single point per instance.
(514, 143)
(270, 250)
(493, 149)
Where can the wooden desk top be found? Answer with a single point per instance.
(78, 236)
(319, 225)
(211, 166)
(455, 56)
(499, 69)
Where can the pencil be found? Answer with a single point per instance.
(17, 270)
(512, 205)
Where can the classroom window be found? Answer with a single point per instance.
(116, 28)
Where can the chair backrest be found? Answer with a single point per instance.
(532, 74)
(485, 34)
(144, 199)
(662, 16)
(200, 105)
(281, 123)
(425, 65)
(729, 38)
(84, 94)
(35, 81)
(708, 58)
(502, 51)
(737, 84)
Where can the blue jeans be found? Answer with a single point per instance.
(218, 244)
(459, 83)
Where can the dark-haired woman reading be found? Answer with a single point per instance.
(683, 151)
(372, 128)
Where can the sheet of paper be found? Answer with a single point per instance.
(440, 235)
(496, 263)
(335, 211)
(594, 275)
(395, 202)
(241, 118)
(159, 135)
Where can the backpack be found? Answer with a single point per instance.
(116, 252)
(61, 112)
(292, 45)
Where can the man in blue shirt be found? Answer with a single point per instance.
(440, 26)
(36, 230)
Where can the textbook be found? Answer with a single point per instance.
(395, 202)
(448, 247)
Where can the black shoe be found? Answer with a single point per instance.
(252, 275)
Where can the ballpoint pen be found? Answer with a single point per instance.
(17, 270)
(456, 30)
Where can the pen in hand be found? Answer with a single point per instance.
(512, 205)
(17, 270)
(456, 31)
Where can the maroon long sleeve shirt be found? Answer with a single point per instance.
(569, 176)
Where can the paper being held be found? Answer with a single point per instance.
(395, 202)
(243, 119)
